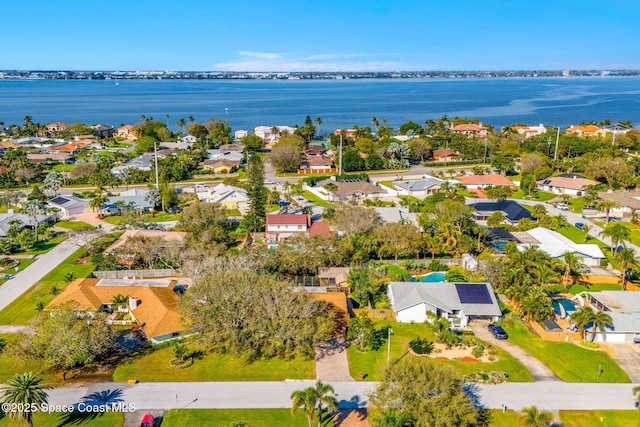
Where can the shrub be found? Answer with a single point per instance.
(478, 350)
(450, 338)
(435, 265)
(420, 346)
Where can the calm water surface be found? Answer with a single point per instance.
(340, 103)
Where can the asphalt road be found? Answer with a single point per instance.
(548, 395)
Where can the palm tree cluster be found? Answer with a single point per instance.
(25, 391)
(587, 318)
(315, 401)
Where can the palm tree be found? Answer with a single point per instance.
(533, 417)
(586, 316)
(606, 206)
(572, 266)
(319, 122)
(627, 259)
(538, 211)
(586, 228)
(25, 390)
(618, 233)
(375, 123)
(182, 124)
(313, 399)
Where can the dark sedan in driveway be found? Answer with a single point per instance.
(498, 332)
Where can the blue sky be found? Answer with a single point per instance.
(320, 35)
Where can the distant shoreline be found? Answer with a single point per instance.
(303, 75)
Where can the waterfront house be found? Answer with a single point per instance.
(471, 130)
(127, 132)
(588, 131)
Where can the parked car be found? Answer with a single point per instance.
(562, 206)
(148, 421)
(200, 185)
(498, 332)
(579, 225)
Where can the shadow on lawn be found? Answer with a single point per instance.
(97, 401)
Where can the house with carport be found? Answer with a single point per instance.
(624, 309)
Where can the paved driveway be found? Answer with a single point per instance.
(627, 356)
(538, 369)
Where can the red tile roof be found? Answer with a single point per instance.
(320, 228)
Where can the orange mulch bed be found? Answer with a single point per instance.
(469, 359)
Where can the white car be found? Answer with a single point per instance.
(562, 206)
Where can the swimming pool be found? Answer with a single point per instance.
(434, 277)
(568, 305)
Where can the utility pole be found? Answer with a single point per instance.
(155, 153)
(555, 156)
(340, 156)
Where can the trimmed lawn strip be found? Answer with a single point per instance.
(371, 363)
(56, 419)
(154, 367)
(316, 200)
(599, 418)
(227, 417)
(568, 361)
(24, 308)
(73, 225)
(509, 418)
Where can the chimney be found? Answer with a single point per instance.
(133, 303)
(575, 177)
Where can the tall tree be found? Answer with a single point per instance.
(25, 391)
(618, 233)
(606, 205)
(34, 208)
(586, 316)
(627, 259)
(431, 394)
(255, 219)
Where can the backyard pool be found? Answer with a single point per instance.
(434, 277)
(568, 306)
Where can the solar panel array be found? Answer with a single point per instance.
(473, 293)
(59, 200)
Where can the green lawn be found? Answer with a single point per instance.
(73, 225)
(159, 217)
(509, 418)
(24, 308)
(57, 419)
(61, 167)
(576, 289)
(599, 418)
(24, 263)
(568, 361)
(10, 365)
(154, 366)
(317, 200)
(538, 195)
(45, 246)
(227, 417)
(388, 184)
(371, 363)
(234, 212)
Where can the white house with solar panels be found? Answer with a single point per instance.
(68, 205)
(459, 303)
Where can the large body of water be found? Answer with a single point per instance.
(340, 103)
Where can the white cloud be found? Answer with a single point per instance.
(275, 62)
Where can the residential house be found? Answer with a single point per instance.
(624, 309)
(394, 215)
(188, 139)
(228, 196)
(64, 148)
(333, 276)
(51, 157)
(103, 131)
(240, 133)
(68, 205)
(460, 303)
(320, 228)
(617, 129)
(127, 132)
(221, 166)
(281, 226)
(134, 198)
(588, 131)
(484, 181)
(54, 128)
(444, 155)
(314, 150)
(529, 131)
(420, 188)
(145, 162)
(316, 164)
(512, 211)
(350, 189)
(271, 134)
(152, 305)
(26, 221)
(556, 245)
(629, 200)
(566, 184)
(348, 132)
(471, 130)
(219, 154)
(170, 238)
